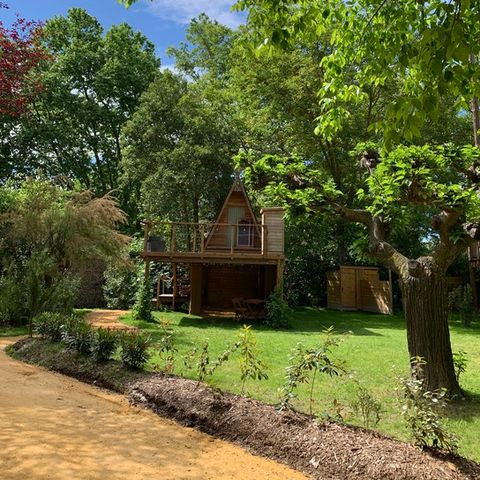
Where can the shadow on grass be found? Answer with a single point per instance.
(310, 320)
(467, 409)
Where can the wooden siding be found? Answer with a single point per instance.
(272, 219)
(224, 236)
(358, 288)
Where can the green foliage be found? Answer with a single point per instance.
(49, 325)
(304, 364)
(422, 410)
(166, 346)
(142, 310)
(461, 300)
(367, 407)
(104, 343)
(121, 278)
(45, 233)
(91, 85)
(134, 349)
(278, 311)
(77, 334)
(460, 361)
(251, 366)
(428, 54)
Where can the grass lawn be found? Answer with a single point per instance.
(373, 352)
(13, 331)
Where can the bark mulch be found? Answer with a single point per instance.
(327, 451)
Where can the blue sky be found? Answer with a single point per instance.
(162, 21)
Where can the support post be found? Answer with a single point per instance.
(175, 286)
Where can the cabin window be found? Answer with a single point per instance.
(244, 233)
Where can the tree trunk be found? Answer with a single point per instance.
(424, 295)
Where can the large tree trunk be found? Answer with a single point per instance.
(424, 295)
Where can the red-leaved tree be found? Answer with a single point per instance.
(20, 53)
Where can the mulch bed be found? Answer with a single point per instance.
(326, 451)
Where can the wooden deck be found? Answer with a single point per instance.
(214, 257)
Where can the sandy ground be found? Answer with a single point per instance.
(54, 427)
(108, 319)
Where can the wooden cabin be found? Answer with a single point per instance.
(359, 288)
(236, 257)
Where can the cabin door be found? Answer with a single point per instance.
(235, 214)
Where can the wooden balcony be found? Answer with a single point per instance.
(184, 242)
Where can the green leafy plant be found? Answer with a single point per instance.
(460, 362)
(142, 310)
(167, 349)
(49, 325)
(203, 362)
(422, 410)
(305, 364)
(134, 349)
(103, 344)
(366, 407)
(278, 311)
(251, 367)
(77, 334)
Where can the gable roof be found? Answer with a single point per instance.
(237, 186)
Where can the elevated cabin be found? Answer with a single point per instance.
(237, 256)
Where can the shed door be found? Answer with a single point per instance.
(349, 293)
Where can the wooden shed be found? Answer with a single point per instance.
(236, 257)
(359, 288)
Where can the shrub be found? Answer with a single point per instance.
(460, 362)
(278, 311)
(77, 335)
(167, 349)
(49, 325)
(103, 344)
(304, 365)
(134, 349)
(142, 309)
(422, 411)
(367, 407)
(250, 364)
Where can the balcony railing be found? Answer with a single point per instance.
(186, 237)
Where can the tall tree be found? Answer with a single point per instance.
(92, 83)
(425, 49)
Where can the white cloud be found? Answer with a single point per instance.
(169, 66)
(182, 11)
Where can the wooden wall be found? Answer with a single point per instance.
(220, 238)
(359, 288)
(272, 219)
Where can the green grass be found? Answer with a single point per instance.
(374, 352)
(13, 331)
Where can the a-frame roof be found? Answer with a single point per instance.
(237, 187)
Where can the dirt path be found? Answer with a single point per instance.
(54, 427)
(107, 319)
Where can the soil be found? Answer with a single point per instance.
(108, 319)
(54, 427)
(326, 451)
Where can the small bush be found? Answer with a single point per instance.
(103, 345)
(134, 349)
(460, 363)
(278, 311)
(422, 411)
(142, 309)
(77, 335)
(49, 325)
(367, 407)
(251, 366)
(304, 365)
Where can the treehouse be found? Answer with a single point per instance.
(238, 258)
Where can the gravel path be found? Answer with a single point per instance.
(54, 427)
